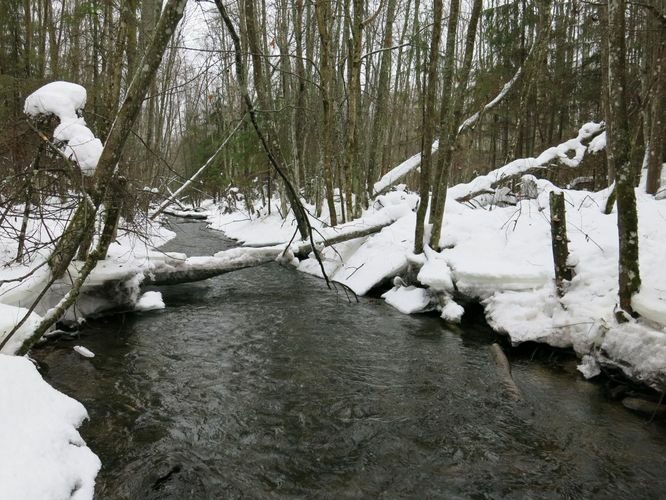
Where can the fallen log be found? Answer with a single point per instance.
(193, 269)
(553, 156)
(305, 248)
(185, 214)
(504, 371)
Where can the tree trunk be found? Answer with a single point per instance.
(428, 127)
(323, 13)
(627, 217)
(656, 146)
(380, 126)
(447, 148)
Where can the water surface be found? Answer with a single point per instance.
(262, 383)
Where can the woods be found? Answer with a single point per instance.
(495, 167)
(314, 102)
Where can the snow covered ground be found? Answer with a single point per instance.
(42, 455)
(502, 257)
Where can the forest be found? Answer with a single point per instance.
(448, 157)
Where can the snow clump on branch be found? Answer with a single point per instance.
(76, 140)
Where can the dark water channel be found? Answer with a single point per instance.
(262, 383)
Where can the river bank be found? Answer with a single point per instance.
(500, 256)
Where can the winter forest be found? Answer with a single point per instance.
(350, 249)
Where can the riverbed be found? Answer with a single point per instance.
(263, 383)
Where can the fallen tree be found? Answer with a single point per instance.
(554, 156)
(190, 269)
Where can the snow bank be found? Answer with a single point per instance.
(10, 316)
(42, 455)
(114, 282)
(637, 350)
(64, 100)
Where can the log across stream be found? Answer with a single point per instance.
(262, 382)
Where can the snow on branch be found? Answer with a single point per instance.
(64, 100)
(471, 122)
(173, 196)
(397, 173)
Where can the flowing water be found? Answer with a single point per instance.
(263, 384)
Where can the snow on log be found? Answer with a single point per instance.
(349, 233)
(557, 154)
(397, 173)
(200, 268)
(185, 214)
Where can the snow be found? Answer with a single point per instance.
(42, 455)
(10, 316)
(598, 143)
(86, 353)
(408, 299)
(436, 273)
(400, 171)
(560, 153)
(637, 350)
(64, 100)
(589, 367)
(150, 301)
(452, 312)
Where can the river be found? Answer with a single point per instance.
(264, 384)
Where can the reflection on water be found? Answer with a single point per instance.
(262, 383)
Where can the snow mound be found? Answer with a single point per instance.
(452, 312)
(42, 455)
(150, 301)
(408, 299)
(639, 351)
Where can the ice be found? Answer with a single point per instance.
(86, 353)
(150, 301)
(407, 299)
